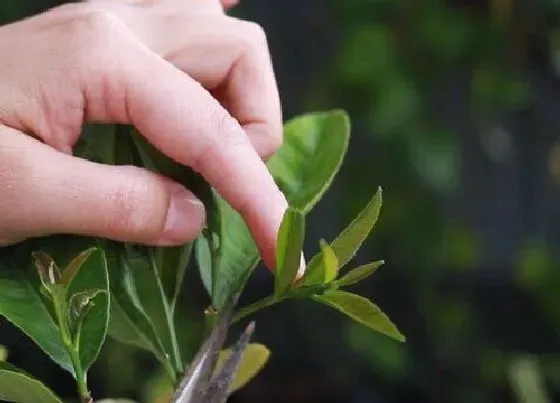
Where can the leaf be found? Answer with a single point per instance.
(349, 241)
(288, 249)
(22, 305)
(358, 274)
(78, 307)
(48, 271)
(129, 323)
(172, 265)
(253, 361)
(92, 274)
(70, 271)
(321, 270)
(225, 271)
(145, 305)
(20, 387)
(3, 353)
(361, 310)
(313, 149)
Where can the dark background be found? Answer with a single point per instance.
(455, 107)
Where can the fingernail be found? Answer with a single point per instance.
(185, 216)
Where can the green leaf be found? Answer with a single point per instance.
(92, 274)
(129, 322)
(321, 270)
(361, 310)
(19, 387)
(288, 250)
(70, 271)
(226, 257)
(358, 274)
(78, 307)
(3, 353)
(172, 265)
(22, 305)
(144, 291)
(253, 361)
(313, 149)
(349, 241)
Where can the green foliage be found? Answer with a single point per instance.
(288, 250)
(361, 310)
(314, 146)
(66, 312)
(19, 387)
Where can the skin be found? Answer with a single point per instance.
(198, 84)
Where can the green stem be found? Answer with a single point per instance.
(176, 354)
(254, 307)
(299, 292)
(71, 348)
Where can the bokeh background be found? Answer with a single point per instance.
(455, 108)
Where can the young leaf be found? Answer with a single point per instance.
(358, 274)
(313, 149)
(253, 361)
(92, 274)
(48, 271)
(78, 307)
(321, 270)
(361, 310)
(288, 250)
(349, 241)
(22, 305)
(19, 387)
(70, 271)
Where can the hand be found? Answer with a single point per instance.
(197, 84)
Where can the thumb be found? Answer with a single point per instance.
(47, 192)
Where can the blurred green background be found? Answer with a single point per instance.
(455, 107)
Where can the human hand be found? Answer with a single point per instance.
(165, 66)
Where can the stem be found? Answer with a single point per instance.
(254, 307)
(71, 348)
(269, 301)
(176, 354)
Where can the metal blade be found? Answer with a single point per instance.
(218, 391)
(196, 381)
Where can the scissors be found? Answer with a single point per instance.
(198, 385)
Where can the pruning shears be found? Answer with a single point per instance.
(200, 385)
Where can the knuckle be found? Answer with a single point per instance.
(95, 34)
(252, 36)
(256, 33)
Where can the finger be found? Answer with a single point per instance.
(228, 56)
(231, 59)
(48, 192)
(178, 116)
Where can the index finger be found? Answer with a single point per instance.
(179, 117)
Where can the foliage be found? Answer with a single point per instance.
(66, 311)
